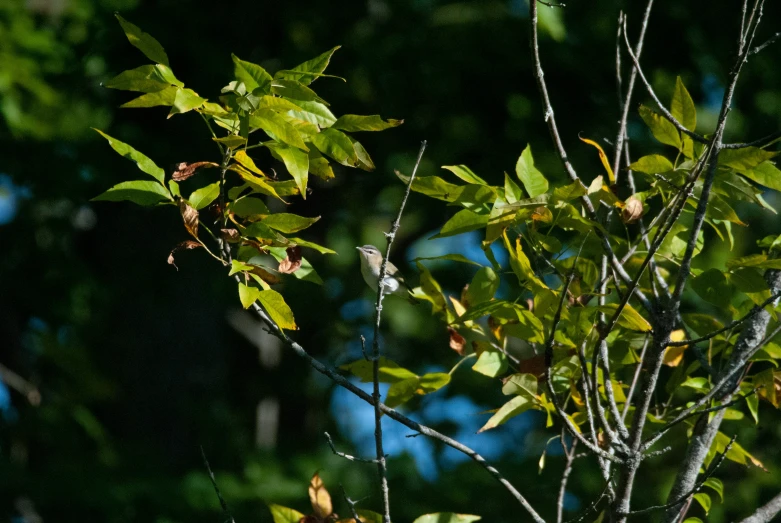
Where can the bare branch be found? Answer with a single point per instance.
(635, 379)
(223, 504)
(626, 103)
(768, 42)
(767, 512)
(382, 468)
(730, 325)
(351, 504)
(570, 455)
(347, 456)
(678, 125)
(762, 142)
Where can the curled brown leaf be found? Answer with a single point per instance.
(457, 342)
(190, 217)
(292, 261)
(230, 235)
(187, 244)
(320, 498)
(632, 211)
(184, 170)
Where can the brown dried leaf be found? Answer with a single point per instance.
(184, 170)
(292, 261)
(190, 217)
(230, 235)
(457, 342)
(265, 275)
(188, 244)
(320, 498)
(632, 211)
(534, 365)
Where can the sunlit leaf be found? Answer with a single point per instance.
(336, 145)
(277, 128)
(682, 106)
(533, 180)
(514, 407)
(430, 290)
(521, 265)
(143, 41)
(745, 158)
(629, 319)
(453, 257)
(204, 196)
(142, 161)
(662, 129)
(602, 158)
(314, 67)
(144, 79)
(354, 123)
(165, 97)
(525, 384)
(491, 361)
(185, 100)
(314, 112)
(465, 173)
(296, 162)
(390, 371)
(716, 485)
(483, 286)
(248, 295)
(142, 192)
(274, 304)
(319, 497)
(433, 186)
(446, 517)
(253, 75)
(652, 164)
(282, 514)
(311, 245)
(704, 501)
(765, 174)
(288, 223)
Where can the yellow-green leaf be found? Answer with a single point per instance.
(629, 319)
(517, 405)
(142, 192)
(602, 158)
(253, 75)
(533, 180)
(288, 223)
(142, 161)
(248, 295)
(662, 129)
(143, 41)
(275, 306)
(354, 122)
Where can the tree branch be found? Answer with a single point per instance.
(767, 512)
(382, 468)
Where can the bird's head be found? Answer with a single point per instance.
(370, 255)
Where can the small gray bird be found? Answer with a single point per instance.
(371, 263)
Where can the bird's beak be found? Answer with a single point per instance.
(360, 249)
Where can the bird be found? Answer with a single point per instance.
(394, 283)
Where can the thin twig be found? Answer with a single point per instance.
(347, 456)
(635, 379)
(382, 468)
(20, 385)
(570, 455)
(351, 504)
(768, 42)
(712, 470)
(762, 142)
(678, 125)
(766, 513)
(223, 504)
(730, 325)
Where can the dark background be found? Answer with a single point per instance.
(138, 364)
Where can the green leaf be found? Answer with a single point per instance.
(483, 287)
(521, 266)
(277, 128)
(629, 319)
(253, 75)
(453, 257)
(477, 198)
(186, 100)
(693, 520)
(308, 273)
(682, 106)
(745, 158)
(748, 280)
(517, 405)
(296, 162)
(315, 67)
(652, 164)
(512, 193)
(275, 306)
(142, 161)
(166, 97)
(760, 261)
(401, 392)
(336, 145)
(282, 514)
(662, 129)
(310, 245)
(465, 173)
(295, 90)
(248, 295)
(765, 174)
(524, 384)
(277, 104)
(389, 371)
(704, 501)
(353, 123)
(569, 192)
(533, 180)
(430, 290)
(364, 160)
(256, 182)
(716, 485)
(446, 517)
(491, 362)
(204, 196)
(461, 222)
(314, 112)
(143, 41)
(712, 286)
(432, 382)
(263, 232)
(231, 141)
(319, 166)
(144, 79)
(142, 192)
(288, 223)
(433, 186)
